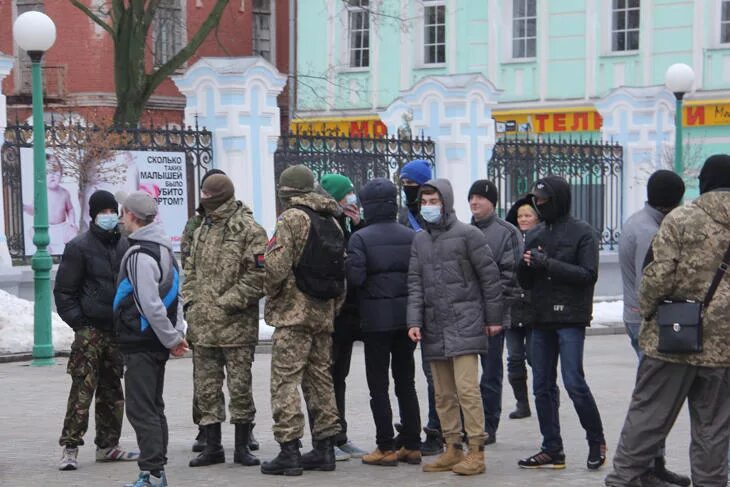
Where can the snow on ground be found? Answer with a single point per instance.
(16, 326)
(608, 312)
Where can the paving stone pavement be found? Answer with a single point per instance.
(32, 404)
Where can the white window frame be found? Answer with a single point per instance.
(348, 48)
(421, 44)
(181, 35)
(512, 19)
(722, 23)
(625, 31)
(272, 31)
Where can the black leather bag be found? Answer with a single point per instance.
(680, 321)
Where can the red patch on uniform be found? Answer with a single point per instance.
(260, 261)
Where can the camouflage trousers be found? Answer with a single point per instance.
(208, 375)
(96, 367)
(299, 358)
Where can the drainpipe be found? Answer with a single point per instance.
(292, 58)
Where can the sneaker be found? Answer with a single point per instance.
(544, 459)
(115, 454)
(354, 451)
(68, 459)
(146, 479)
(596, 456)
(340, 455)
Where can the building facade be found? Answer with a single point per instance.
(470, 72)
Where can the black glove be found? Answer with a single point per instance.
(538, 259)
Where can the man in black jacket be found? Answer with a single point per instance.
(84, 293)
(560, 266)
(377, 268)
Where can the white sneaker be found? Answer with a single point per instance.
(68, 459)
(115, 454)
(341, 456)
(353, 450)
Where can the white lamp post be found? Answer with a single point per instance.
(679, 80)
(35, 33)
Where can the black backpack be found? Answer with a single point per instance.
(320, 272)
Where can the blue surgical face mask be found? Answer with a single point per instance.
(432, 214)
(107, 221)
(351, 199)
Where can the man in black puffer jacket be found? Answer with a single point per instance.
(560, 266)
(377, 268)
(84, 293)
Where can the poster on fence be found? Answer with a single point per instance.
(71, 179)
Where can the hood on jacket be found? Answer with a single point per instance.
(154, 232)
(512, 213)
(557, 190)
(446, 193)
(716, 204)
(379, 200)
(315, 201)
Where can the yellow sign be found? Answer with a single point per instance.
(706, 114)
(583, 119)
(370, 126)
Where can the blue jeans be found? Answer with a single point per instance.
(491, 383)
(632, 330)
(433, 417)
(519, 340)
(547, 347)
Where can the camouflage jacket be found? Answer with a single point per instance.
(224, 278)
(286, 305)
(186, 240)
(687, 251)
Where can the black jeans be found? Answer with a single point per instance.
(380, 349)
(519, 339)
(144, 381)
(347, 332)
(490, 383)
(433, 418)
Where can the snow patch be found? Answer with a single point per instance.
(608, 313)
(16, 326)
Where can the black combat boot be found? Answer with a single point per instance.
(519, 386)
(199, 443)
(242, 454)
(253, 443)
(660, 470)
(213, 452)
(322, 457)
(434, 443)
(287, 462)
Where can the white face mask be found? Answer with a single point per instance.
(432, 214)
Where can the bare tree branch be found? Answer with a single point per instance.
(87, 11)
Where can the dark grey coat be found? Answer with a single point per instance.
(454, 287)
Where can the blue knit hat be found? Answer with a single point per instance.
(418, 171)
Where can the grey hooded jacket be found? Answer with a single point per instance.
(454, 287)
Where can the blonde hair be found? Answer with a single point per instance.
(527, 205)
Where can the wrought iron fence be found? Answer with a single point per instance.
(195, 142)
(593, 169)
(360, 159)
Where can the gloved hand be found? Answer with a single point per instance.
(538, 259)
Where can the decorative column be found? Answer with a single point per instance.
(456, 113)
(6, 64)
(641, 120)
(235, 98)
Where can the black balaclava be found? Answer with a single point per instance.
(557, 192)
(715, 173)
(412, 199)
(664, 189)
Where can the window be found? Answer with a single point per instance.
(358, 28)
(725, 22)
(434, 32)
(262, 29)
(524, 28)
(169, 31)
(625, 32)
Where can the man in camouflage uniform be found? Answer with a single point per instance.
(224, 282)
(302, 341)
(84, 292)
(685, 256)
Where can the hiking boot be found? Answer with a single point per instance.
(213, 452)
(596, 456)
(519, 387)
(661, 472)
(473, 463)
(253, 443)
(544, 459)
(242, 453)
(69, 459)
(341, 456)
(434, 443)
(411, 457)
(649, 479)
(115, 454)
(146, 479)
(199, 443)
(387, 458)
(522, 410)
(287, 462)
(445, 462)
(321, 457)
(355, 452)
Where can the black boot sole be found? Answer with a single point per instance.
(251, 463)
(209, 461)
(288, 472)
(320, 468)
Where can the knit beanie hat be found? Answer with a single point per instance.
(337, 185)
(102, 200)
(715, 173)
(419, 171)
(485, 188)
(211, 172)
(219, 189)
(296, 180)
(665, 189)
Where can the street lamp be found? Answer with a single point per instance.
(35, 33)
(679, 80)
